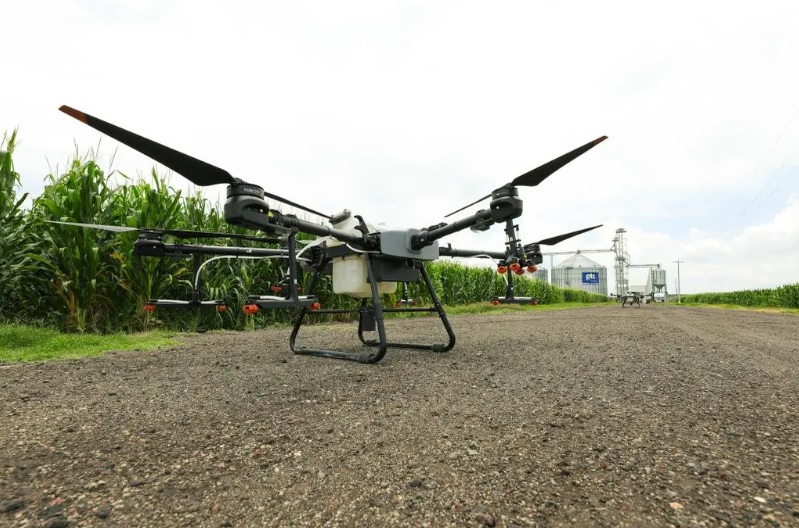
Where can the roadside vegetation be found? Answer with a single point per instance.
(781, 297)
(89, 281)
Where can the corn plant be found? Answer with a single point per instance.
(77, 264)
(12, 231)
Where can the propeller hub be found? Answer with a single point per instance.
(149, 247)
(505, 191)
(245, 206)
(245, 189)
(150, 234)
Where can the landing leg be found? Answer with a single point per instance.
(370, 318)
(437, 307)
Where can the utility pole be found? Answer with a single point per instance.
(679, 299)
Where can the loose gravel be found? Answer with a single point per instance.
(605, 416)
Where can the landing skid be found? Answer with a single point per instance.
(513, 300)
(370, 319)
(152, 304)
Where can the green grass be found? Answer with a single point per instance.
(769, 309)
(27, 343)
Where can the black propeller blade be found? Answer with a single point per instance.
(560, 238)
(177, 233)
(539, 174)
(293, 204)
(196, 171)
(467, 206)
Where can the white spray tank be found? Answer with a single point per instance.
(350, 272)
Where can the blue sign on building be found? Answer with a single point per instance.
(590, 277)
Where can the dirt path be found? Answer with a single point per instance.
(601, 416)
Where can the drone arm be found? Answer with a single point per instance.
(450, 251)
(156, 248)
(246, 207)
(312, 228)
(505, 206)
(224, 250)
(431, 234)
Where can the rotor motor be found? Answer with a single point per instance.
(505, 205)
(245, 206)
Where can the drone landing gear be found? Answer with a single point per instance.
(513, 300)
(152, 304)
(370, 319)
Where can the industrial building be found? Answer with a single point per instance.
(581, 273)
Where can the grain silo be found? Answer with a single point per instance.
(541, 274)
(658, 277)
(581, 273)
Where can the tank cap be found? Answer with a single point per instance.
(340, 217)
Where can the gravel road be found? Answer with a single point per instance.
(604, 416)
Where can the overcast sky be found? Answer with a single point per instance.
(403, 111)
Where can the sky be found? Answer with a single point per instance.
(403, 111)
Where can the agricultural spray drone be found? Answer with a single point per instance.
(365, 261)
(631, 298)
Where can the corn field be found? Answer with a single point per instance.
(781, 297)
(87, 280)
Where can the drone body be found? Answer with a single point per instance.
(364, 261)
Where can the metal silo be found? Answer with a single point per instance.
(541, 274)
(581, 273)
(658, 278)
